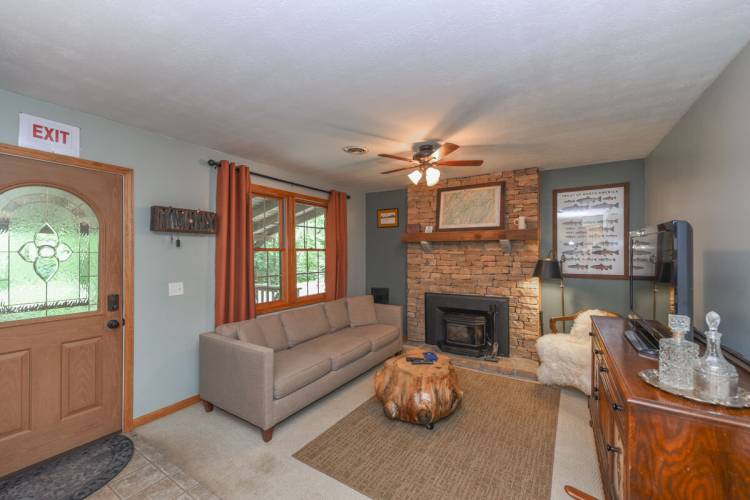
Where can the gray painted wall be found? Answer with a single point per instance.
(589, 293)
(386, 260)
(169, 172)
(700, 172)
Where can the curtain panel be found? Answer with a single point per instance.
(336, 246)
(235, 293)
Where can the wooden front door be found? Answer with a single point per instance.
(61, 275)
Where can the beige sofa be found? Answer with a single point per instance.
(264, 370)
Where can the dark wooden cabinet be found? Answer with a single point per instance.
(652, 444)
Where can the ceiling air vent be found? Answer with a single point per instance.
(354, 150)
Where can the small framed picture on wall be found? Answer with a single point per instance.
(590, 228)
(387, 217)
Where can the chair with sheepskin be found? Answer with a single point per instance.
(565, 359)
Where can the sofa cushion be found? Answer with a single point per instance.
(293, 369)
(304, 324)
(337, 314)
(228, 330)
(378, 335)
(361, 310)
(249, 331)
(273, 332)
(342, 349)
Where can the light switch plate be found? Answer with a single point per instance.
(176, 288)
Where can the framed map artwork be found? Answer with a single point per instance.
(480, 206)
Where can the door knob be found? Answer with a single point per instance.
(113, 324)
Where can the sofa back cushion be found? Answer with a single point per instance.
(304, 324)
(228, 330)
(273, 332)
(249, 331)
(361, 310)
(337, 314)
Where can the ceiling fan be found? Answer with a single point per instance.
(426, 160)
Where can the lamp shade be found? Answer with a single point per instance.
(547, 269)
(415, 176)
(432, 176)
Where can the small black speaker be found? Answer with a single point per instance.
(380, 295)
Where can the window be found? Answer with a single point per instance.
(49, 254)
(310, 245)
(289, 241)
(268, 244)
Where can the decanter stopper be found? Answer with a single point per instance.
(712, 320)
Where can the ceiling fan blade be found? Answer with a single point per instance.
(444, 150)
(397, 170)
(394, 157)
(460, 163)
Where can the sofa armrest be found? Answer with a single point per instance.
(237, 377)
(390, 314)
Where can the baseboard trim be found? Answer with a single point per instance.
(167, 410)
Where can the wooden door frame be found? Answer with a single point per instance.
(128, 262)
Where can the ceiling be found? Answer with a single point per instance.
(517, 83)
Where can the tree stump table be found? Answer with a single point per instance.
(420, 394)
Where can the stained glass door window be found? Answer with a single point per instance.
(49, 254)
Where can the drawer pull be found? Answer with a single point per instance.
(598, 351)
(613, 449)
(603, 369)
(617, 407)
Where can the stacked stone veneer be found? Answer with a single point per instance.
(479, 268)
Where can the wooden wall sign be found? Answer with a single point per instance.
(182, 220)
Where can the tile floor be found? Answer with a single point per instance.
(150, 475)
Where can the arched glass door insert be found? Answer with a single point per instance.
(49, 254)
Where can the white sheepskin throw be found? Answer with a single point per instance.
(566, 358)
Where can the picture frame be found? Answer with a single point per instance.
(479, 206)
(387, 218)
(590, 228)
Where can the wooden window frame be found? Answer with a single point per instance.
(289, 297)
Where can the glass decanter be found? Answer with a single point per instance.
(677, 356)
(715, 378)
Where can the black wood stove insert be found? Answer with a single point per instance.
(472, 325)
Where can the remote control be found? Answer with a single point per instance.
(411, 359)
(419, 361)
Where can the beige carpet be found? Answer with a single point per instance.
(499, 444)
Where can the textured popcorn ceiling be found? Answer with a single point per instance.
(517, 83)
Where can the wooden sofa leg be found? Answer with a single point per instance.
(207, 406)
(267, 435)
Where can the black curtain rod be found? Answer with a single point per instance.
(216, 164)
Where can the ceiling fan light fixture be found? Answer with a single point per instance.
(432, 176)
(415, 176)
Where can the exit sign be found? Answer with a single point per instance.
(46, 135)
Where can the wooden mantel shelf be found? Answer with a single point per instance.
(473, 235)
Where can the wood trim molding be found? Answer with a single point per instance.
(167, 410)
(128, 256)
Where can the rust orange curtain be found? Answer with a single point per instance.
(235, 294)
(336, 238)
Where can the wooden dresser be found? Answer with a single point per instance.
(654, 445)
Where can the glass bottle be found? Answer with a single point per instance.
(715, 378)
(677, 356)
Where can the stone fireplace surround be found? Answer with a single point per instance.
(482, 267)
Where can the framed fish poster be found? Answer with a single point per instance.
(590, 230)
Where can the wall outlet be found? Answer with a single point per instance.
(176, 288)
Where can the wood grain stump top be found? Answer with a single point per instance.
(420, 394)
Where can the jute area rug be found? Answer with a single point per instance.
(499, 444)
